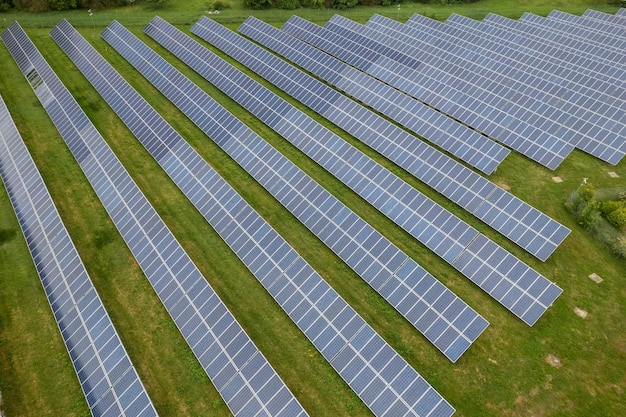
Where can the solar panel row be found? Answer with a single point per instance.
(241, 374)
(520, 222)
(578, 45)
(573, 62)
(461, 141)
(509, 88)
(216, 338)
(442, 317)
(379, 376)
(615, 20)
(107, 377)
(562, 22)
(578, 108)
(601, 29)
(444, 233)
(437, 89)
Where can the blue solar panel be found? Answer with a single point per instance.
(479, 196)
(432, 87)
(578, 105)
(177, 282)
(437, 228)
(568, 23)
(466, 144)
(321, 308)
(107, 377)
(352, 239)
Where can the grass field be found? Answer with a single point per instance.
(505, 373)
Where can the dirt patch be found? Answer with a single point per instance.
(554, 361)
(557, 179)
(580, 313)
(504, 185)
(595, 277)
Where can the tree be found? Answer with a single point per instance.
(344, 4)
(62, 4)
(257, 4)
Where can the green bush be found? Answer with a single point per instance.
(61, 4)
(607, 207)
(617, 217)
(587, 191)
(285, 4)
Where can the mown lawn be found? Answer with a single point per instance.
(505, 373)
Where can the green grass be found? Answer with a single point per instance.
(504, 373)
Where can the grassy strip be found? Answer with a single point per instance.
(504, 373)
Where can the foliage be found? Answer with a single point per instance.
(62, 4)
(603, 219)
(344, 4)
(285, 4)
(617, 217)
(606, 207)
(218, 5)
(257, 4)
(5, 5)
(587, 191)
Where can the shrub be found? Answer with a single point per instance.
(285, 4)
(257, 4)
(607, 207)
(587, 191)
(61, 4)
(617, 217)
(344, 4)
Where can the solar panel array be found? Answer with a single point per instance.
(220, 344)
(472, 106)
(452, 136)
(244, 378)
(557, 97)
(107, 377)
(379, 376)
(449, 237)
(520, 222)
(552, 47)
(441, 316)
(504, 78)
(577, 45)
(562, 22)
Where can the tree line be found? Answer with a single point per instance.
(47, 5)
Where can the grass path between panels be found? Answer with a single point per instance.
(505, 373)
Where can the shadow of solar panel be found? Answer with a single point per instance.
(344, 232)
(295, 275)
(340, 156)
(107, 377)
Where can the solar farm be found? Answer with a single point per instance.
(352, 218)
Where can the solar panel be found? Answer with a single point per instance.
(222, 347)
(434, 87)
(331, 325)
(556, 97)
(574, 44)
(466, 188)
(568, 23)
(503, 78)
(604, 16)
(428, 222)
(233, 361)
(600, 23)
(107, 377)
(552, 45)
(464, 143)
(371, 255)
